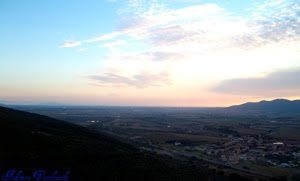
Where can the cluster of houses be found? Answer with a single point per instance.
(257, 150)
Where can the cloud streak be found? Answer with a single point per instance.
(156, 56)
(104, 37)
(277, 83)
(70, 44)
(140, 80)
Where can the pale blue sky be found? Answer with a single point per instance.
(31, 32)
(76, 51)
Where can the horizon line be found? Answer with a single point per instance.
(142, 106)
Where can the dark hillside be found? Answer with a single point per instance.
(30, 141)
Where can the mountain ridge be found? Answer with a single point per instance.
(274, 107)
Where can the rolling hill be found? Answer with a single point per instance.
(277, 107)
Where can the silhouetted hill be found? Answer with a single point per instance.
(30, 141)
(277, 107)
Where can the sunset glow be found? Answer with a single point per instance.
(149, 53)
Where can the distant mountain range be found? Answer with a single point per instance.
(277, 107)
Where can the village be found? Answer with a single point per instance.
(255, 149)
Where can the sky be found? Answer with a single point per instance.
(149, 52)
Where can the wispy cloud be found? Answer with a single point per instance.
(140, 80)
(273, 20)
(156, 56)
(202, 38)
(114, 44)
(107, 36)
(152, 22)
(286, 82)
(82, 49)
(162, 56)
(70, 44)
